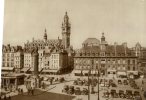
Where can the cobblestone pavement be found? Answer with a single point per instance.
(59, 86)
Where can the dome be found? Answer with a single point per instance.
(91, 42)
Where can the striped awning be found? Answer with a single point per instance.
(121, 73)
(7, 68)
(77, 71)
(25, 69)
(48, 70)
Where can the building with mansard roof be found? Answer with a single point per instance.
(140, 52)
(60, 43)
(112, 60)
(48, 47)
(12, 58)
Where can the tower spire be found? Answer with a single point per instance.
(45, 35)
(66, 31)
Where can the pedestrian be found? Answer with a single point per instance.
(28, 91)
(21, 91)
(142, 82)
(18, 90)
(141, 88)
(9, 97)
(32, 92)
(5, 98)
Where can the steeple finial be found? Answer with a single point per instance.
(102, 38)
(45, 30)
(45, 35)
(102, 33)
(66, 13)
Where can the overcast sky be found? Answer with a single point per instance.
(120, 20)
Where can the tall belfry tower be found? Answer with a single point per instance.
(45, 35)
(66, 31)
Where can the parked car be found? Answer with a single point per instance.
(84, 91)
(86, 83)
(110, 81)
(129, 94)
(114, 94)
(107, 84)
(61, 79)
(136, 93)
(119, 82)
(113, 85)
(77, 91)
(125, 82)
(75, 82)
(102, 84)
(65, 88)
(80, 82)
(121, 94)
(106, 94)
(71, 90)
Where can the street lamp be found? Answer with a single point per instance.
(89, 73)
(97, 67)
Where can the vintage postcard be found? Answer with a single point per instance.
(74, 50)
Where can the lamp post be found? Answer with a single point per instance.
(98, 84)
(97, 67)
(88, 85)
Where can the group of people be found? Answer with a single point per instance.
(20, 91)
(4, 97)
(30, 91)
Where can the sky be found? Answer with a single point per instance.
(120, 20)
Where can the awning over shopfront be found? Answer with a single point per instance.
(94, 72)
(51, 71)
(25, 69)
(41, 69)
(110, 70)
(77, 71)
(122, 73)
(7, 68)
(31, 69)
(85, 71)
(132, 72)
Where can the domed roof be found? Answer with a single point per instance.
(91, 42)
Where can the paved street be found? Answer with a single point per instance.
(54, 92)
(41, 95)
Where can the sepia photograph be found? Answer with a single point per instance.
(73, 50)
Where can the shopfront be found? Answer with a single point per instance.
(10, 81)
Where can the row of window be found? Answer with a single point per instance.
(104, 61)
(8, 64)
(8, 54)
(105, 54)
(55, 56)
(113, 67)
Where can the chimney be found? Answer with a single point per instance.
(125, 47)
(115, 47)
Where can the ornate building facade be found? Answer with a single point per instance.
(12, 58)
(48, 47)
(113, 60)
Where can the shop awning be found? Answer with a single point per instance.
(110, 70)
(94, 72)
(54, 71)
(77, 71)
(25, 69)
(40, 69)
(7, 68)
(85, 71)
(133, 72)
(121, 73)
(31, 69)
